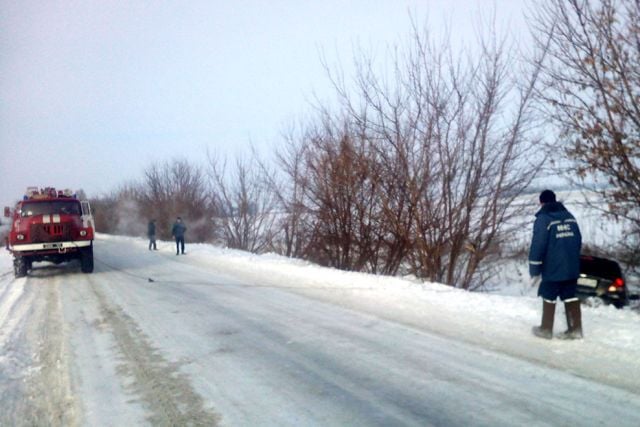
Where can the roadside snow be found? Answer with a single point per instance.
(502, 322)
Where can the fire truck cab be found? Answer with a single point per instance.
(50, 225)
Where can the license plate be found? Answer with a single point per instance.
(585, 281)
(52, 245)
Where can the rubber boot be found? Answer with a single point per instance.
(545, 330)
(574, 320)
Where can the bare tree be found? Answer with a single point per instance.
(341, 189)
(592, 94)
(176, 188)
(118, 212)
(288, 187)
(243, 204)
(449, 146)
(103, 208)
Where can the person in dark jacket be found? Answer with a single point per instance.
(151, 233)
(178, 231)
(554, 263)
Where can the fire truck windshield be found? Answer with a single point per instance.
(46, 208)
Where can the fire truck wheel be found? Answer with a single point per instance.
(20, 267)
(86, 260)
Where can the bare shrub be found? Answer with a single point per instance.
(288, 186)
(420, 169)
(118, 212)
(172, 189)
(341, 188)
(243, 204)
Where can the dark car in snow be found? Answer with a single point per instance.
(602, 278)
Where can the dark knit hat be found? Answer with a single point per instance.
(547, 196)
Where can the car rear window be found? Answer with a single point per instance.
(600, 267)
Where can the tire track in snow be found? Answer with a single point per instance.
(167, 393)
(11, 309)
(49, 395)
(15, 352)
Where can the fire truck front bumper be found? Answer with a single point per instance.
(49, 247)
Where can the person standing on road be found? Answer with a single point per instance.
(554, 263)
(151, 232)
(178, 231)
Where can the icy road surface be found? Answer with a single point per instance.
(154, 339)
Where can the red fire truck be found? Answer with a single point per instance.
(50, 225)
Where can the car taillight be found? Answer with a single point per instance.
(616, 285)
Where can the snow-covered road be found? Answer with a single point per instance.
(152, 338)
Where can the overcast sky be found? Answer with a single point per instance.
(94, 91)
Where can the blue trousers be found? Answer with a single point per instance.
(179, 244)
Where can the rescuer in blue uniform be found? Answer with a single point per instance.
(554, 263)
(178, 231)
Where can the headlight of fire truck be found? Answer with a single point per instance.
(20, 236)
(83, 233)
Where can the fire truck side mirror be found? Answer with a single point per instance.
(7, 212)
